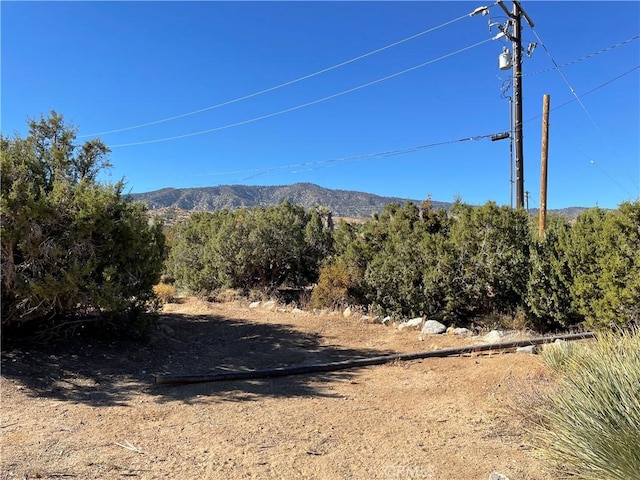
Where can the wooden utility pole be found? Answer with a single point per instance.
(543, 164)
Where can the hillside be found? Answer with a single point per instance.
(342, 203)
(175, 204)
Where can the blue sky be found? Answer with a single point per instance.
(113, 65)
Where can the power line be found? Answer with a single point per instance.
(566, 81)
(586, 57)
(298, 107)
(261, 171)
(593, 162)
(588, 92)
(584, 108)
(291, 82)
(387, 153)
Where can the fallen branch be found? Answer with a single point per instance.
(128, 446)
(356, 363)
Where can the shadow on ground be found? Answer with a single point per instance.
(104, 373)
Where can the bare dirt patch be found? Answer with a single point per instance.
(89, 409)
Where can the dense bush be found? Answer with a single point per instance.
(486, 260)
(259, 248)
(589, 426)
(548, 298)
(71, 246)
(606, 288)
(454, 266)
(467, 265)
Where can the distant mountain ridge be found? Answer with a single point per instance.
(175, 203)
(342, 203)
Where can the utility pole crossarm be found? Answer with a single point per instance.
(506, 10)
(529, 21)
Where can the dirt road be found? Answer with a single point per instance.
(89, 410)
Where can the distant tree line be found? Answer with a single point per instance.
(466, 265)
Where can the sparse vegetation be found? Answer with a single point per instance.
(165, 292)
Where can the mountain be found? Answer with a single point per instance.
(175, 204)
(342, 203)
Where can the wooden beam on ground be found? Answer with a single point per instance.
(358, 362)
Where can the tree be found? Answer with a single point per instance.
(486, 260)
(548, 299)
(262, 248)
(71, 246)
(620, 268)
(584, 249)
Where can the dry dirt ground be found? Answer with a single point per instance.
(90, 410)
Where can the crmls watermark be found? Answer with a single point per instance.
(407, 471)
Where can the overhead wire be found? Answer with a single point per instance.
(586, 57)
(566, 81)
(410, 149)
(387, 153)
(282, 85)
(593, 162)
(573, 91)
(304, 105)
(588, 92)
(261, 171)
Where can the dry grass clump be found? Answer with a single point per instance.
(165, 292)
(590, 425)
(227, 295)
(332, 290)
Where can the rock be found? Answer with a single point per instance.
(297, 311)
(366, 319)
(347, 312)
(494, 336)
(269, 305)
(254, 304)
(463, 332)
(433, 327)
(413, 323)
(498, 476)
(387, 320)
(529, 349)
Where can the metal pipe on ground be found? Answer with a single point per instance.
(358, 362)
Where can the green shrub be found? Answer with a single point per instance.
(589, 426)
(257, 248)
(71, 246)
(603, 255)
